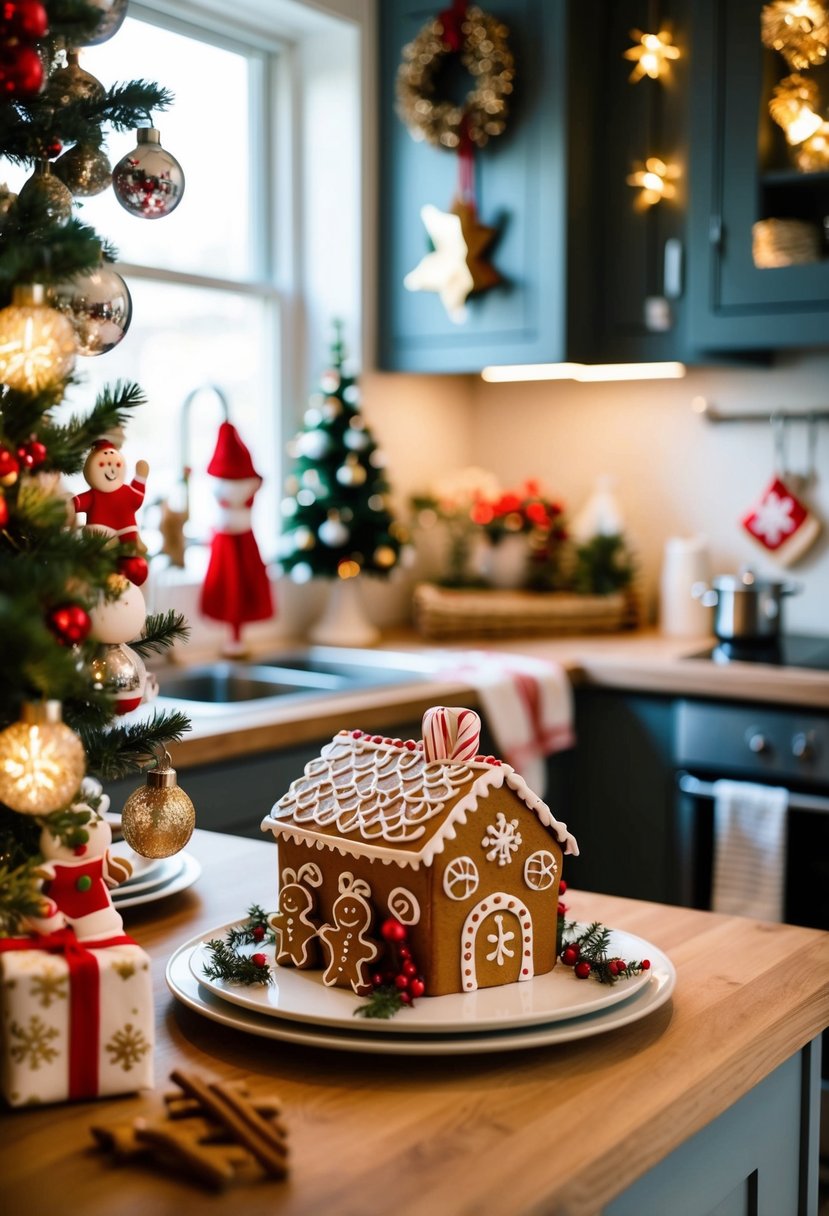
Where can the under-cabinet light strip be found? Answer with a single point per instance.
(584, 372)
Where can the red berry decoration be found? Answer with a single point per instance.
(393, 931)
(583, 970)
(32, 454)
(70, 623)
(9, 466)
(4, 511)
(562, 887)
(405, 998)
(258, 932)
(401, 981)
(416, 988)
(562, 909)
(261, 960)
(570, 955)
(645, 964)
(134, 567)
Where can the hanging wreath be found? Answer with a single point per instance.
(479, 42)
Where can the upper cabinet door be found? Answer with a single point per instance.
(521, 187)
(757, 280)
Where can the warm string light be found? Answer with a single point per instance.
(42, 761)
(655, 180)
(37, 343)
(798, 29)
(652, 54)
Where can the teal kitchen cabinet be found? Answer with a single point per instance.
(743, 173)
(529, 182)
(588, 275)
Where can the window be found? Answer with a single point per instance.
(205, 311)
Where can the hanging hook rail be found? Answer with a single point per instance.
(703, 407)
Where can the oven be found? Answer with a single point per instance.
(769, 745)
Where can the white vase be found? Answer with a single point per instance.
(344, 621)
(505, 562)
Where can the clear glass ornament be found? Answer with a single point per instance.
(148, 182)
(99, 307)
(42, 761)
(158, 818)
(37, 343)
(113, 13)
(84, 170)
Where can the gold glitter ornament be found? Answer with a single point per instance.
(484, 52)
(158, 818)
(798, 29)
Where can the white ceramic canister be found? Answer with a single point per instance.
(686, 562)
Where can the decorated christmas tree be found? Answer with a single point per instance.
(338, 521)
(73, 621)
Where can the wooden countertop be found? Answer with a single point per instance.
(560, 1130)
(641, 660)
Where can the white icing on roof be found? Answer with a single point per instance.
(363, 797)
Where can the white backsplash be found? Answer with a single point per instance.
(676, 473)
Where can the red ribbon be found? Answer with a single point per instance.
(452, 20)
(84, 998)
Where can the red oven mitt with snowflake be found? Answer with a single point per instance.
(781, 524)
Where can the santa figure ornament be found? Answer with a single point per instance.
(236, 587)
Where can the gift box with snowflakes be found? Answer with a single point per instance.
(76, 1019)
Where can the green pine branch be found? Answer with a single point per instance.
(234, 968)
(19, 894)
(130, 748)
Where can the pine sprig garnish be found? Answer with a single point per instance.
(587, 953)
(161, 630)
(235, 968)
(383, 1002)
(255, 929)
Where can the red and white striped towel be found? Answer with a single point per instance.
(527, 705)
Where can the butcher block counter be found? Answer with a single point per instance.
(638, 661)
(711, 1096)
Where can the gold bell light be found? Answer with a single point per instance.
(158, 818)
(37, 343)
(42, 761)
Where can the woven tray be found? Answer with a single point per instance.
(441, 612)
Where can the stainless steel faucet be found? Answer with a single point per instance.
(174, 516)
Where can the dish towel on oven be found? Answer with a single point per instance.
(749, 849)
(527, 705)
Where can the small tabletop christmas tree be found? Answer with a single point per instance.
(338, 523)
(69, 595)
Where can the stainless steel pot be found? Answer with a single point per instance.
(747, 606)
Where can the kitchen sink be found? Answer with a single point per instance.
(310, 672)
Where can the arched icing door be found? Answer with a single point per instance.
(496, 943)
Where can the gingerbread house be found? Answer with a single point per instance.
(452, 844)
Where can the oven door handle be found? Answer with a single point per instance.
(797, 802)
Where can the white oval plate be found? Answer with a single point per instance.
(185, 988)
(186, 876)
(301, 996)
(156, 872)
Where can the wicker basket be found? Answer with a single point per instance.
(443, 612)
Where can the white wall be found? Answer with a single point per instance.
(677, 474)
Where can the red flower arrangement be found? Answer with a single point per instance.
(525, 510)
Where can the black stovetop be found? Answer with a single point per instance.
(792, 650)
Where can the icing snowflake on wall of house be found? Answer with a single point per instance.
(502, 839)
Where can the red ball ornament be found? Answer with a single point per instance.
(261, 960)
(583, 969)
(409, 969)
(9, 467)
(134, 567)
(26, 18)
(416, 988)
(32, 454)
(54, 148)
(401, 981)
(392, 930)
(70, 623)
(21, 71)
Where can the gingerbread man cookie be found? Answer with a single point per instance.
(293, 924)
(349, 951)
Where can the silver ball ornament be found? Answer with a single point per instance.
(112, 17)
(119, 671)
(99, 306)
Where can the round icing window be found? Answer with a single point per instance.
(540, 870)
(461, 878)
